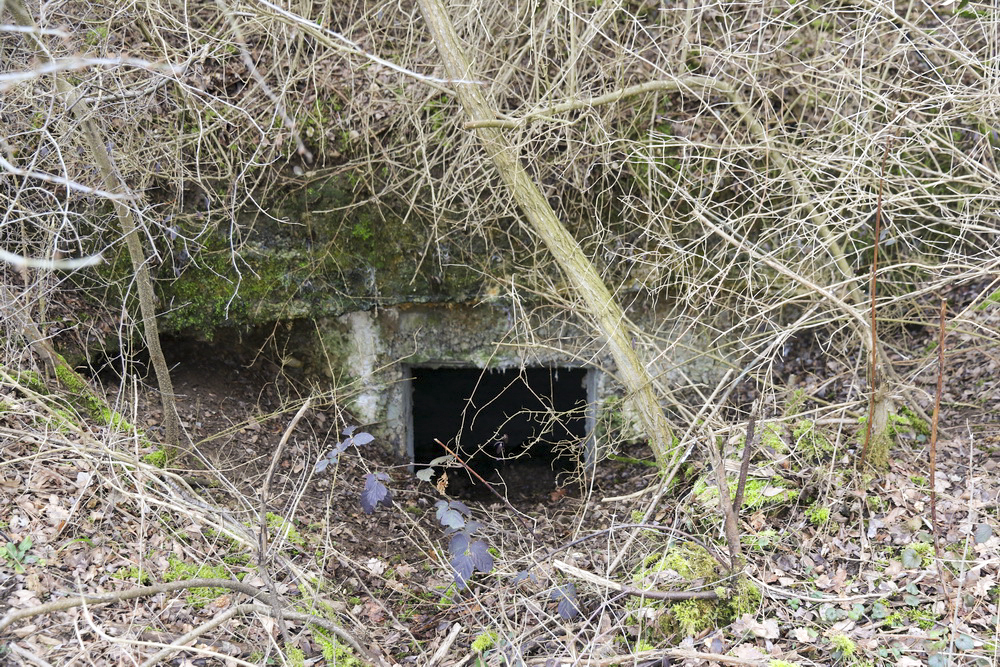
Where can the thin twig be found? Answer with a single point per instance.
(262, 559)
(745, 463)
(529, 522)
(932, 473)
(632, 590)
(873, 320)
(445, 645)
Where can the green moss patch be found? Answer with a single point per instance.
(178, 570)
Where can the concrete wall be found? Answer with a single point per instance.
(370, 353)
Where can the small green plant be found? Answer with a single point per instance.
(876, 503)
(843, 646)
(157, 459)
(484, 641)
(817, 515)
(810, 441)
(760, 540)
(294, 656)
(285, 528)
(17, 554)
(745, 599)
(335, 653)
(178, 570)
(770, 436)
(694, 616)
(758, 493)
(917, 555)
(132, 573)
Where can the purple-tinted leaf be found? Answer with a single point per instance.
(472, 526)
(461, 507)
(363, 439)
(459, 544)
(525, 575)
(463, 567)
(447, 516)
(375, 493)
(342, 446)
(451, 519)
(568, 607)
(481, 556)
(348, 430)
(322, 464)
(384, 476)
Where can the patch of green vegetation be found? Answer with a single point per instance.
(757, 494)
(285, 529)
(690, 617)
(449, 597)
(362, 229)
(746, 598)
(688, 561)
(843, 646)
(335, 653)
(796, 401)
(923, 618)
(158, 458)
(817, 515)
(32, 381)
(96, 35)
(810, 441)
(16, 554)
(87, 399)
(919, 550)
(237, 559)
(907, 421)
(178, 570)
(294, 656)
(876, 503)
(132, 573)
(484, 641)
(990, 300)
(782, 663)
(760, 540)
(770, 436)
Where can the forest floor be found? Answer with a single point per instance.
(840, 568)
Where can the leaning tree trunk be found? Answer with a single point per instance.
(578, 269)
(113, 183)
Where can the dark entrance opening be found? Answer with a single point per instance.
(519, 428)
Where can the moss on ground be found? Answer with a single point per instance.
(757, 494)
(178, 570)
(285, 529)
(690, 617)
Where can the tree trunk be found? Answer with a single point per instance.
(577, 268)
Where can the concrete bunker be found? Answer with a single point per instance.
(524, 430)
(465, 372)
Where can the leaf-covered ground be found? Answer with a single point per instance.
(840, 566)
